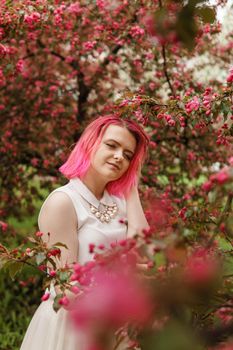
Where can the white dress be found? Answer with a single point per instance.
(50, 330)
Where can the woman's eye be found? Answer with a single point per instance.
(128, 157)
(110, 145)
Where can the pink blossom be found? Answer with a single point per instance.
(52, 273)
(53, 88)
(42, 267)
(3, 226)
(39, 234)
(222, 177)
(150, 264)
(3, 50)
(207, 186)
(34, 17)
(64, 301)
(171, 122)
(91, 248)
(152, 86)
(182, 213)
(19, 66)
(149, 23)
(54, 252)
(222, 227)
(75, 289)
(69, 59)
(34, 161)
(2, 33)
(230, 76)
(230, 160)
(136, 31)
(168, 117)
(114, 299)
(45, 297)
(89, 45)
(201, 267)
(153, 145)
(75, 8)
(192, 105)
(225, 314)
(28, 251)
(149, 56)
(101, 4)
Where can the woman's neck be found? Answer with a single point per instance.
(95, 184)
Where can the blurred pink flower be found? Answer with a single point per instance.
(3, 226)
(201, 267)
(230, 76)
(114, 299)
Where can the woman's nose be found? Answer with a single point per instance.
(118, 155)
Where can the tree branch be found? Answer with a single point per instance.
(166, 71)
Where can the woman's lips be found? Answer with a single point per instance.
(114, 166)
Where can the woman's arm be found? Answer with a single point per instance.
(58, 217)
(135, 215)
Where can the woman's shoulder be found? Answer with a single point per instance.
(57, 205)
(57, 200)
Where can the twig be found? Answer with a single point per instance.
(165, 70)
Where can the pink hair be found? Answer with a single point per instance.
(80, 157)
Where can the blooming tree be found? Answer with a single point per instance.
(65, 62)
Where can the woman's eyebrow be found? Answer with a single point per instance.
(118, 143)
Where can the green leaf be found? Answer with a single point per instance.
(207, 14)
(64, 275)
(9, 3)
(60, 244)
(14, 268)
(56, 305)
(159, 259)
(40, 257)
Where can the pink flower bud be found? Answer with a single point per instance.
(222, 177)
(150, 264)
(91, 248)
(45, 297)
(3, 226)
(64, 301)
(75, 289)
(222, 227)
(207, 186)
(52, 273)
(39, 234)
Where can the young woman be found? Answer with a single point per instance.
(103, 170)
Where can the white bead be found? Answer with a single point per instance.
(105, 212)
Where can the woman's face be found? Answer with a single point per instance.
(114, 153)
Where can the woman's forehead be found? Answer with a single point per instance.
(121, 135)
